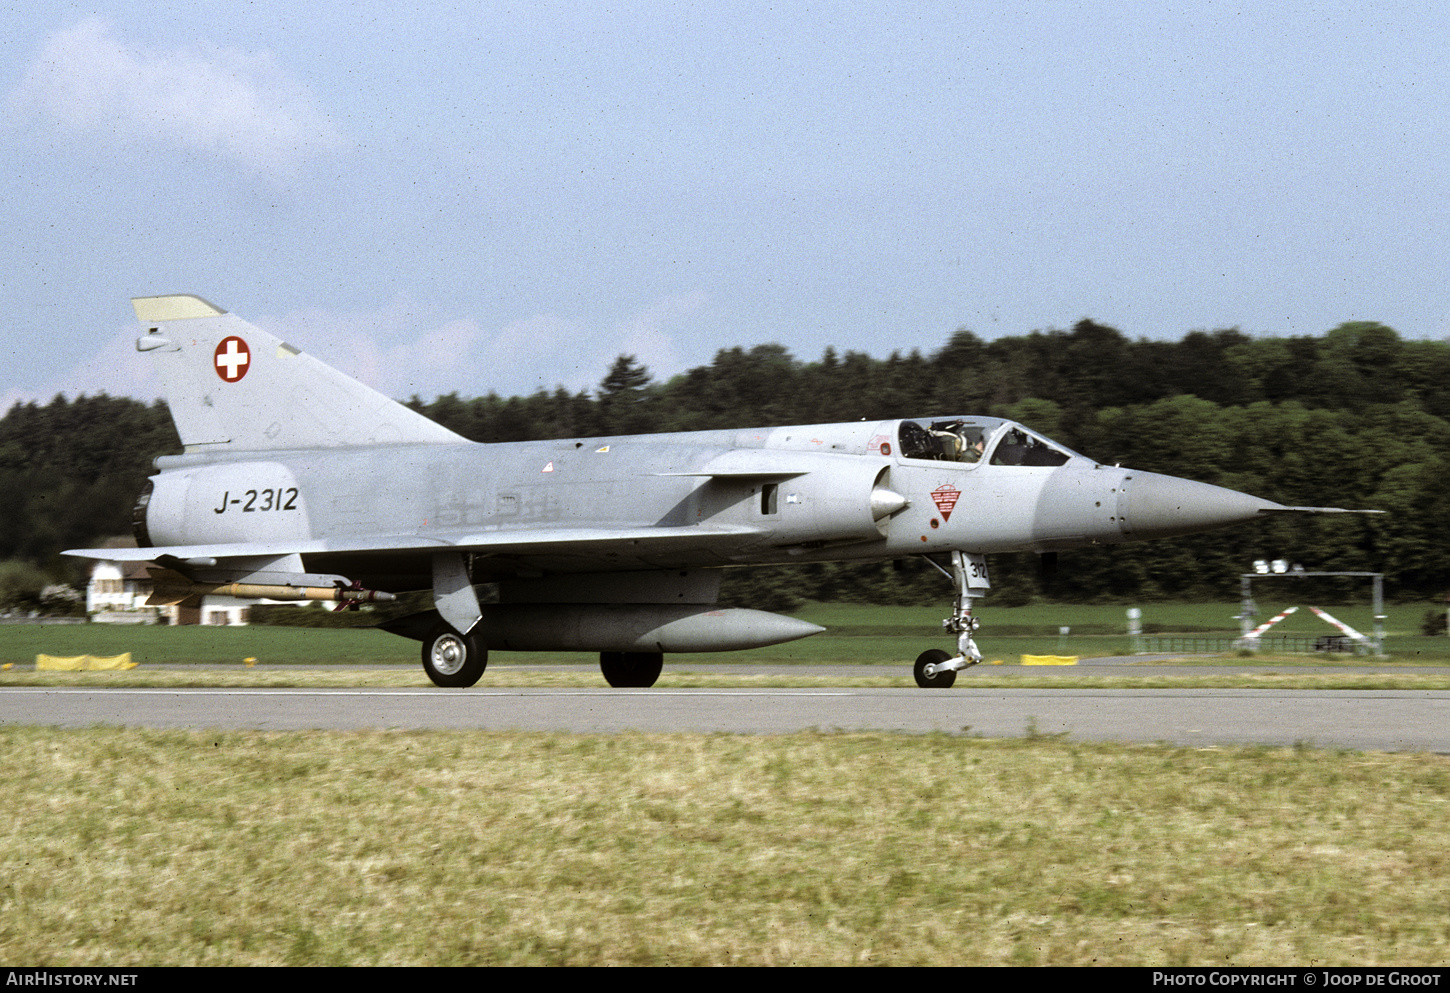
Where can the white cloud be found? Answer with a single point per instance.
(238, 106)
(115, 369)
(647, 335)
(402, 352)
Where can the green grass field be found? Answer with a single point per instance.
(144, 847)
(855, 634)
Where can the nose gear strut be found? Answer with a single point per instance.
(969, 574)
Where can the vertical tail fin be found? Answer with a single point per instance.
(233, 387)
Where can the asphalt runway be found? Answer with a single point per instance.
(1371, 720)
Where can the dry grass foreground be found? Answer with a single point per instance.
(457, 848)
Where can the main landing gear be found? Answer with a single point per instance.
(935, 669)
(631, 669)
(453, 659)
(457, 660)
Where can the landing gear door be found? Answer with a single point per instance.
(974, 570)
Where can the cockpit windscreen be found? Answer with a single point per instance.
(1017, 447)
(972, 440)
(943, 441)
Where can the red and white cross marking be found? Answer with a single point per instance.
(232, 358)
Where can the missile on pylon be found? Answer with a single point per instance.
(173, 588)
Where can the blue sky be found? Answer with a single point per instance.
(495, 196)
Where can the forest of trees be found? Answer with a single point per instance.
(1356, 418)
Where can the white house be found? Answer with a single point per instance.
(117, 593)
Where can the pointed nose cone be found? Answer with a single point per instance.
(885, 502)
(1163, 506)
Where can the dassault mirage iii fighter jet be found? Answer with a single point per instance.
(298, 483)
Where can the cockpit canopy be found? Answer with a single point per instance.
(978, 439)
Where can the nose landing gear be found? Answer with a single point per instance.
(935, 669)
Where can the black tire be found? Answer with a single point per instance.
(942, 680)
(453, 659)
(631, 669)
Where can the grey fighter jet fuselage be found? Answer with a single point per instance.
(296, 478)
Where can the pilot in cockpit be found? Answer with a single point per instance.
(942, 441)
(959, 441)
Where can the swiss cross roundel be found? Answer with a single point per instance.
(232, 358)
